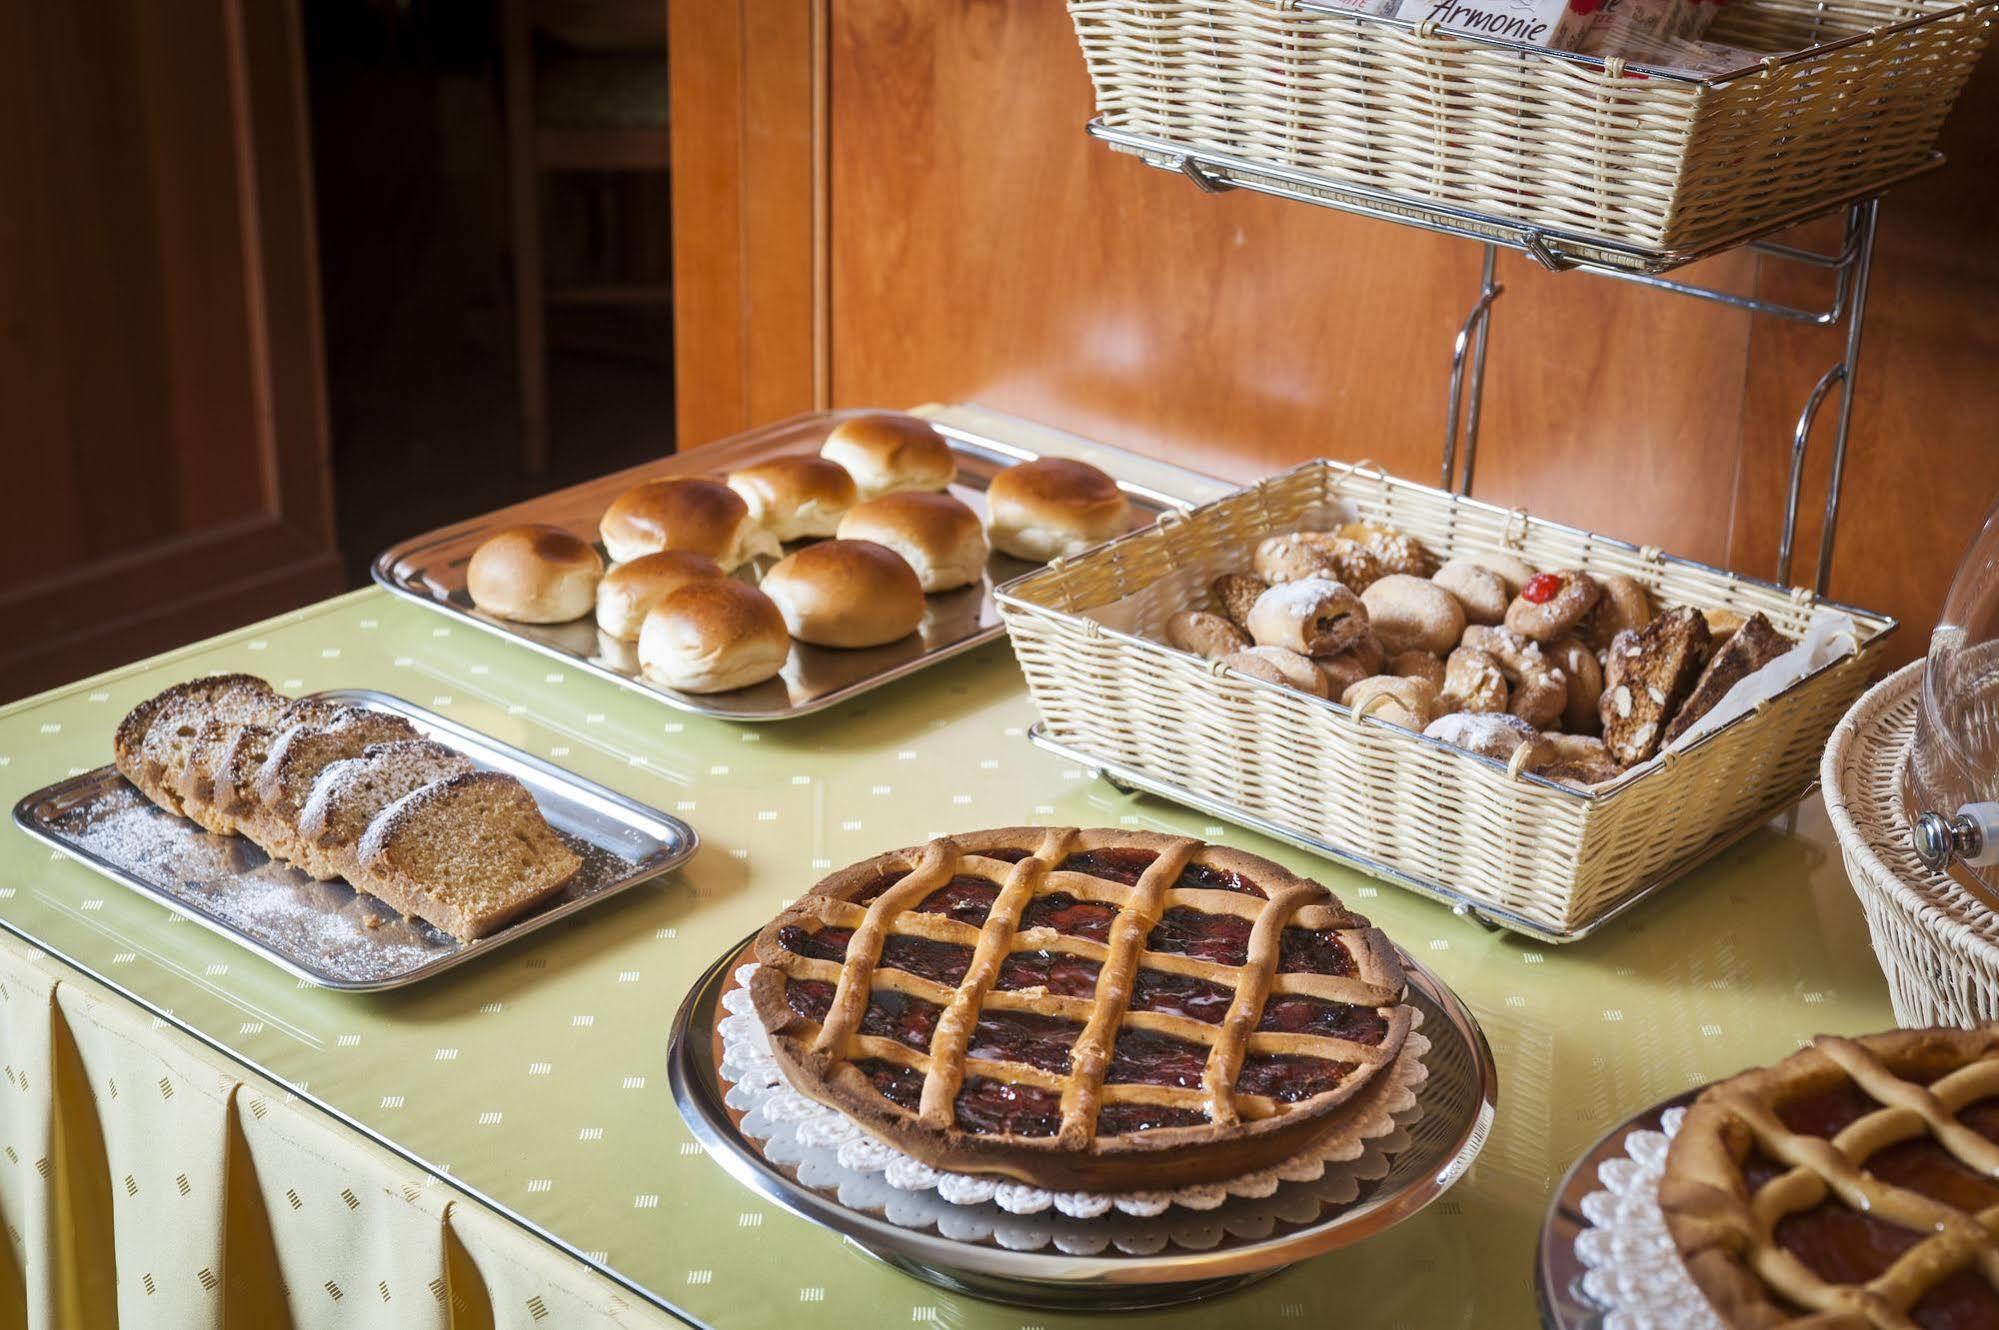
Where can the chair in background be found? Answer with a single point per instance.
(586, 90)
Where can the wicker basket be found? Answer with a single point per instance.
(1555, 858)
(1937, 943)
(1544, 139)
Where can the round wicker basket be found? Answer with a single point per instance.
(1938, 945)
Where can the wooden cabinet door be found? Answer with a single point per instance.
(163, 446)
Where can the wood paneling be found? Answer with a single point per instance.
(747, 207)
(982, 248)
(159, 357)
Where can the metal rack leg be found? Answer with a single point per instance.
(1861, 220)
(1472, 337)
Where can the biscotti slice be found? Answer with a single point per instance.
(1749, 648)
(156, 735)
(1649, 671)
(285, 780)
(465, 855)
(350, 793)
(232, 793)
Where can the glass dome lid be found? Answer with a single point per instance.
(1952, 779)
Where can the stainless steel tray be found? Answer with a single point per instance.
(1459, 1098)
(326, 932)
(1129, 779)
(430, 570)
(1558, 1272)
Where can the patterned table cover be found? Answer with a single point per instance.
(535, 1078)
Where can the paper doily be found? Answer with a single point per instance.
(830, 1153)
(1634, 1272)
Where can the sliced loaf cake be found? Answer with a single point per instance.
(232, 790)
(285, 780)
(348, 794)
(465, 854)
(156, 736)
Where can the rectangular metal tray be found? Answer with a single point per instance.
(430, 569)
(326, 932)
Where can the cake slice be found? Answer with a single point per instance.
(285, 780)
(156, 736)
(465, 854)
(350, 793)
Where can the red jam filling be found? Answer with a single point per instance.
(939, 962)
(1288, 1079)
(1126, 1119)
(900, 1085)
(1203, 877)
(810, 998)
(1009, 855)
(1541, 588)
(1180, 995)
(897, 1016)
(1221, 938)
(1142, 1057)
(1067, 915)
(1843, 1246)
(1021, 1036)
(1964, 1301)
(1125, 865)
(1760, 1170)
(1982, 1117)
(878, 886)
(1921, 1165)
(965, 898)
(1057, 971)
(1827, 1112)
(828, 944)
(1309, 951)
(1297, 1013)
(986, 1107)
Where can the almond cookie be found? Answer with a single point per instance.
(1649, 673)
(1574, 759)
(1313, 617)
(1349, 667)
(1623, 605)
(1538, 691)
(1473, 681)
(1752, 646)
(1418, 665)
(1410, 703)
(1301, 554)
(1481, 591)
(1206, 635)
(1398, 551)
(1550, 605)
(1236, 593)
(1573, 656)
(1489, 734)
(1276, 665)
(1411, 613)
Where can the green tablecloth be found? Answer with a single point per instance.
(535, 1077)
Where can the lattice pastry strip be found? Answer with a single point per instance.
(1775, 1171)
(1081, 1008)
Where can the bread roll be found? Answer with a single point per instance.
(1054, 507)
(629, 590)
(885, 451)
(534, 574)
(801, 497)
(712, 635)
(935, 534)
(846, 593)
(684, 513)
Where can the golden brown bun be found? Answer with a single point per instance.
(934, 533)
(631, 589)
(846, 593)
(1054, 507)
(712, 635)
(684, 513)
(801, 497)
(885, 451)
(534, 574)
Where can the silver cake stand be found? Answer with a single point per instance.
(1458, 1101)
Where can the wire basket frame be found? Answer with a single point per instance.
(1086, 634)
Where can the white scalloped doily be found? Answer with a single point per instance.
(830, 1153)
(1635, 1273)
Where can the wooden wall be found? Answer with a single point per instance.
(982, 248)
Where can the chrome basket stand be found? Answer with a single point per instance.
(1216, 172)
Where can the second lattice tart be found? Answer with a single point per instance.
(1083, 1010)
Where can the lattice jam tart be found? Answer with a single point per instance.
(1083, 1010)
(1853, 1185)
